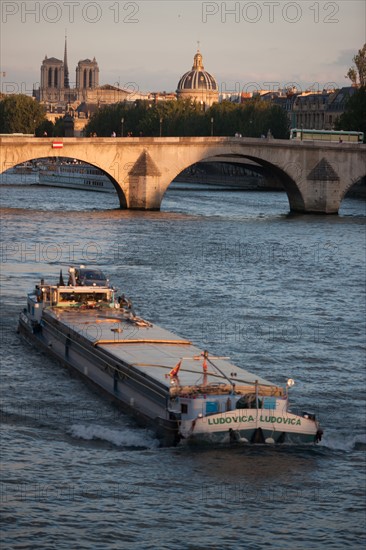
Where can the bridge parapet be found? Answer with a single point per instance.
(315, 175)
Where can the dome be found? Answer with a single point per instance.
(197, 78)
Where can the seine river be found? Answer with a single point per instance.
(283, 296)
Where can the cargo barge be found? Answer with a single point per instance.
(165, 381)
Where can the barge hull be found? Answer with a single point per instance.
(123, 395)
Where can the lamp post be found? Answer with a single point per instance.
(161, 125)
(212, 122)
(122, 123)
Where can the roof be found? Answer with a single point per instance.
(113, 88)
(197, 80)
(52, 60)
(340, 98)
(88, 61)
(87, 107)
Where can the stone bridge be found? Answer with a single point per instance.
(316, 176)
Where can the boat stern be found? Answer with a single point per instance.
(270, 423)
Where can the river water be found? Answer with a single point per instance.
(281, 295)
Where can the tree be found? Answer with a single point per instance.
(20, 114)
(45, 128)
(251, 119)
(357, 74)
(354, 117)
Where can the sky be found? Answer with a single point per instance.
(148, 45)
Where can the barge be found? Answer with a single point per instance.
(165, 381)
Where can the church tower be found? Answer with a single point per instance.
(52, 80)
(55, 90)
(87, 74)
(59, 96)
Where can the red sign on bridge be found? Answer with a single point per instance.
(57, 145)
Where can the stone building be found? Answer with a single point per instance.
(309, 110)
(320, 111)
(198, 85)
(58, 96)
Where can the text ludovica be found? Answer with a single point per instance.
(250, 418)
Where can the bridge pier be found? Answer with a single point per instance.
(143, 193)
(323, 198)
(321, 189)
(143, 185)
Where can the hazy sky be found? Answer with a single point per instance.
(150, 44)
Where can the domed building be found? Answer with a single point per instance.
(198, 84)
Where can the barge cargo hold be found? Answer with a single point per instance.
(166, 382)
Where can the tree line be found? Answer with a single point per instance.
(187, 118)
(21, 114)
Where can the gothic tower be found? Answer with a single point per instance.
(87, 74)
(52, 79)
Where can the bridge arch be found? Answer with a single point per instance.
(287, 175)
(357, 182)
(119, 190)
